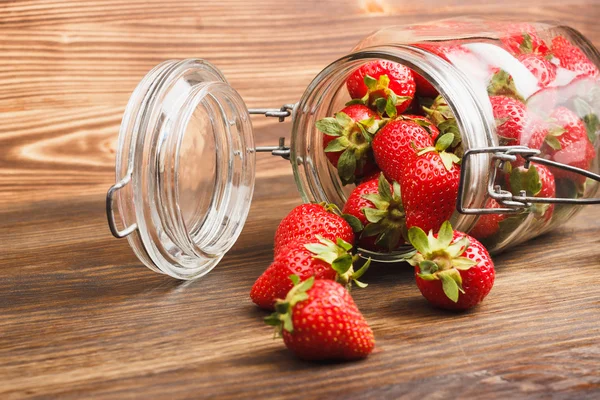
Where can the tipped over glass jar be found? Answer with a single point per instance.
(519, 101)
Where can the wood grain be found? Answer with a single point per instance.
(80, 317)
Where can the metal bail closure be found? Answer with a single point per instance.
(515, 203)
(185, 169)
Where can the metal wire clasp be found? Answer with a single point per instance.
(514, 203)
(282, 113)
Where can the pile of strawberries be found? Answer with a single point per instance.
(398, 142)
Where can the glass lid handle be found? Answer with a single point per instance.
(110, 214)
(282, 113)
(515, 203)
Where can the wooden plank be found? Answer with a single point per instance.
(80, 317)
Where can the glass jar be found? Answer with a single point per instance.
(186, 155)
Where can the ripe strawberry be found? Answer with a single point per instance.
(514, 125)
(323, 260)
(383, 85)
(397, 143)
(347, 141)
(319, 321)
(568, 143)
(379, 209)
(536, 181)
(488, 224)
(424, 88)
(522, 39)
(306, 221)
(430, 188)
(540, 67)
(572, 58)
(452, 269)
(425, 122)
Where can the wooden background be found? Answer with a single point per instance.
(80, 317)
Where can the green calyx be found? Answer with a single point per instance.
(441, 115)
(281, 319)
(526, 45)
(441, 258)
(588, 116)
(352, 138)
(503, 84)
(555, 131)
(441, 145)
(338, 255)
(380, 97)
(528, 181)
(387, 219)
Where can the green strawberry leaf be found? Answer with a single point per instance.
(343, 119)
(295, 279)
(354, 222)
(356, 275)
(389, 239)
(419, 240)
(592, 123)
(342, 264)
(526, 46)
(445, 235)
(370, 82)
(383, 187)
(343, 244)
(338, 144)
(451, 283)
(329, 126)
(377, 200)
(444, 141)
(428, 267)
(390, 106)
(553, 142)
(374, 215)
(380, 104)
(448, 159)
(347, 166)
(384, 81)
(463, 263)
(372, 230)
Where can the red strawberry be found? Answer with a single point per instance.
(347, 141)
(323, 260)
(540, 67)
(319, 321)
(568, 143)
(452, 269)
(430, 189)
(383, 84)
(379, 209)
(522, 39)
(572, 58)
(536, 181)
(488, 224)
(396, 143)
(305, 222)
(511, 119)
(425, 122)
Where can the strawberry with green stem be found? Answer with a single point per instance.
(442, 117)
(535, 181)
(307, 221)
(378, 207)
(318, 320)
(488, 225)
(568, 142)
(347, 141)
(385, 86)
(322, 259)
(452, 269)
(523, 39)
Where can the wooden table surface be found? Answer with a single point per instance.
(81, 317)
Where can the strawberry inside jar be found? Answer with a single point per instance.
(410, 101)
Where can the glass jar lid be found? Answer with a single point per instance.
(185, 169)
